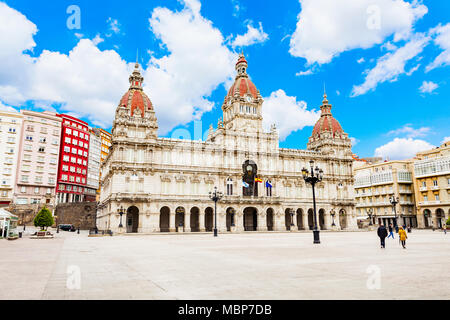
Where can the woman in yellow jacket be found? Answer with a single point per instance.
(402, 235)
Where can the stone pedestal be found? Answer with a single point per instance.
(233, 229)
(180, 229)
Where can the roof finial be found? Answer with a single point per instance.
(137, 58)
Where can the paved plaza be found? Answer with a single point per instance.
(346, 265)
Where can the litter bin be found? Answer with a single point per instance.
(20, 234)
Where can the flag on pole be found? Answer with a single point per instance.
(258, 180)
(268, 185)
(245, 184)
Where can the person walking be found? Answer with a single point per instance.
(382, 233)
(402, 235)
(445, 228)
(391, 231)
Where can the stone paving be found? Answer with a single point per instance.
(345, 265)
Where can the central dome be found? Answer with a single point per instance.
(135, 98)
(327, 123)
(242, 85)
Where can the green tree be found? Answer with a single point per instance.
(44, 219)
(448, 222)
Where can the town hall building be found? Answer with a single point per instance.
(152, 184)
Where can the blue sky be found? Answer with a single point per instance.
(385, 63)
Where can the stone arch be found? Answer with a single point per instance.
(180, 215)
(250, 219)
(230, 217)
(270, 219)
(209, 219)
(132, 219)
(300, 225)
(343, 219)
(311, 219)
(426, 218)
(440, 216)
(321, 221)
(288, 219)
(164, 219)
(195, 219)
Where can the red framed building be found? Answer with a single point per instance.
(73, 160)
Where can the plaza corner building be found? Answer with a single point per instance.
(163, 185)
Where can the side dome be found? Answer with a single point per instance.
(327, 123)
(135, 99)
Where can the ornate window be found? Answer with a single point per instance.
(229, 187)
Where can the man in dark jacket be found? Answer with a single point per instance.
(382, 233)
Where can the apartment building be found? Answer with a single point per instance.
(73, 160)
(93, 178)
(432, 186)
(10, 129)
(37, 164)
(376, 183)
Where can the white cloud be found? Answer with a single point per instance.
(304, 73)
(389, 46)
(442, 39)
(361, 60)
(87, 80)
(90, 82)
(237, 7)
(7, 108)
(392, 64)
(412, 70)
(354, 141)
(180, 83)
(446, 139)
(326, 28)
(114, 25)
(401, 148)
(409, 132)
(97, 40)
(278, 105)
(428, 87)
(253, 36)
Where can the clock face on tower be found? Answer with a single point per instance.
(249, 98)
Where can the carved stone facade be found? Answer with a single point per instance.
(163, 185)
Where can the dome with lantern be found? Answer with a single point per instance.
(327, 124)
(135, 100)
(242, 86)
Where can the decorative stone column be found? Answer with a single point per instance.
(221, 221)
(239, 222)
(172, 223)
(201, 221)
(305, 220)
(262, 222)
(187, 222)
(278, 223)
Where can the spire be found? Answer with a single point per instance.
(326, 106)
(136, 79)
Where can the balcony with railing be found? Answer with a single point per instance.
(432, 167)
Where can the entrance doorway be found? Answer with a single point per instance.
(269, 218)
(209, 219)
(310, 219)
(322, 219)
(343, 219)
(230, 218)
(194, 223)
(164, 219)
(179, 218)
(132, 219)
(250, 219)
(300, 225)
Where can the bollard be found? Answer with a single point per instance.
(78, 230)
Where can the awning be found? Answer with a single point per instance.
(6, 214)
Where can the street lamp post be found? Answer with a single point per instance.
(394, 200)
(215, 196)
(369, 213)
(120, 211)
(314, 176)
(333, 213)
